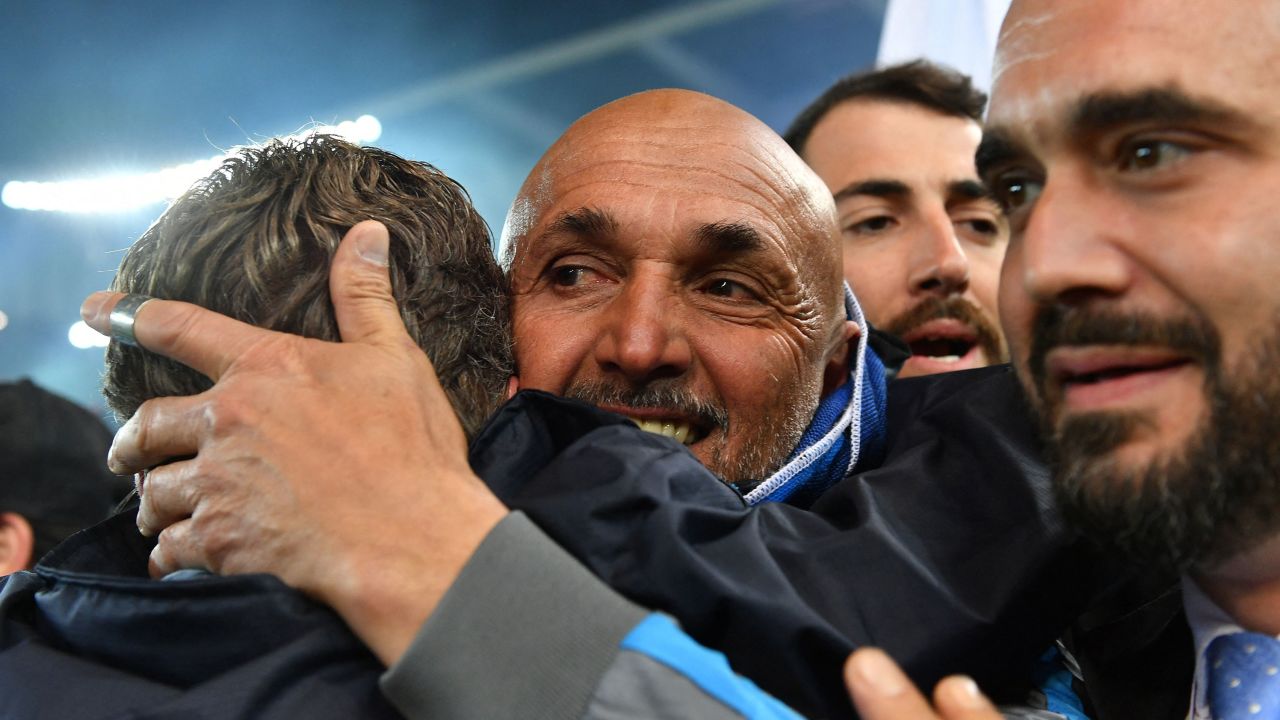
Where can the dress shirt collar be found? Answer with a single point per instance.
(1208, 622)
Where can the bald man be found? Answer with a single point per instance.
(638, 291)
(673, 261)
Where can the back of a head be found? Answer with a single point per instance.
(919, 82)
(254, 241)
(53, 464)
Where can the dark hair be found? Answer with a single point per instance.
(918, 82)
(254, 240)
(53, 469)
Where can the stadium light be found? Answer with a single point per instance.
(121, 193)
(85, 337)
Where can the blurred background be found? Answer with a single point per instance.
(99, 99)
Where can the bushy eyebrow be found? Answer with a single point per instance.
(1103, 111)
(728, 238)
(997, 147)
(896, 189)
(968, 190)
(876, 187)
(584, 222)
(1099, 113)
(600, 227)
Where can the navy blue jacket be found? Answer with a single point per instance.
(951, 555)
(89, 635)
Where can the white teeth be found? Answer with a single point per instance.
(947, 358)
(681, 432)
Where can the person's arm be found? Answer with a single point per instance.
(339, 468)
(352, 484)
(950, 556)
(526, 632)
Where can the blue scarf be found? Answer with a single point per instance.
(847, 432)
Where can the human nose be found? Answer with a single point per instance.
(938, 263)
(1069, 249)
(644, 339)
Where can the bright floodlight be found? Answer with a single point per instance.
(4, 320)
(85, 337)
(120, 193)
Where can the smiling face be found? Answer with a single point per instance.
(673, 261)
(922, 240)
(1136, 146)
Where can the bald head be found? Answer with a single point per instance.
(671, 243)
(687, 140)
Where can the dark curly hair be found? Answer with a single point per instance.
(254, 240)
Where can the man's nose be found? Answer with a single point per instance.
(644, 338)
(938, 265)
(1069, 250)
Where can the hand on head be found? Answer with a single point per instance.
(881, 691)
(339, 467)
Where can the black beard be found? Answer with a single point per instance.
(1195, 507)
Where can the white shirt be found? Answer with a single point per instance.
(1208, 622)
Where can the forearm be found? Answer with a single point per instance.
(903, 557)
(526, 632)
(387, 601)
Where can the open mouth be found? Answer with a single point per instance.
(941, 349)
(682, 432)
(944, 340)
(660, 422)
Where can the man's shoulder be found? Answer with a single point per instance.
(968, 407)
(89, 618)
(997, 382)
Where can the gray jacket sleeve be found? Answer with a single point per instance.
(526, 632)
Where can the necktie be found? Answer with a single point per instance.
(1244, 677)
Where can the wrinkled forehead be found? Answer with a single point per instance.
(740, 164)
(1052, 54)
(701, 170)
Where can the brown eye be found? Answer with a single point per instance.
(980, 226)
(1147, 155)
(729, 289)
(1014, 192)
(986, 227)
(872, 225)
(568, 275)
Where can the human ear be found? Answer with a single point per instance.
(839, 358)
(17, 542)
(513, 386)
